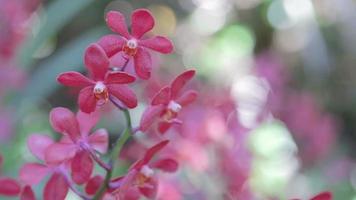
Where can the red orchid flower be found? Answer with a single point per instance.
(126, 45)
(10, 187)
(167, 103)
(103, 83)
(140, 176)
(33, 173)
(77, 146)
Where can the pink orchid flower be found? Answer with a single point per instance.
(126, 46)
(167, 103)
(33, 173)
(140, 177)
(97, 90)
(77, 145)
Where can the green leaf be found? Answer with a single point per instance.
(59, 13)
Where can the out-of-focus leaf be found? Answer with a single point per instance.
(59, 13)
(43, 80)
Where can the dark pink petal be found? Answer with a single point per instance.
(93, 185)
(64, 121)
(158, 43)
(96, 61)
(323, 196)
(131, 194)
(166, 165)
(87, 121)
(37, 144)
(99, 140)
(59, 152)
(187, 97)
(125, 183)
(164, 126)
(74, 79)
(56, 188)
(150, 188)
(87, 100)
(27, 194)
(111, 44)
(119, 59)
(9, 187)
(149, 155)
(116, 22)
(162, 97)
(150, 115)
(180, 81)
(33, 173)
(82, 167)
(119, 77)
(141, 22)
(143, 63)
(124, 94)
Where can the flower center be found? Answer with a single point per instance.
(174, 106)
(101, 93)
(145, 174)
(130, 48)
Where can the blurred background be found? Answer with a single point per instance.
(276, 114)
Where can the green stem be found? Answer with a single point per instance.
(115, 154)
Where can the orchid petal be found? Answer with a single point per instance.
(111, 44)
(82, 167)
(119, 78)
(149, 155)
(87, 100)
(94, 184)
(124, 94)
(116, 22)
(33, 173)
(143, 63)
(166, 165)
(56, 188)
(64, 121)
(96, 61)
(99, 140)
(141, 22)
(59, 152)
(37, 144)
(9, 187)
(180, 81)
(27, 194)
(162, 97)
(87, 121)
(150, 115)
(158, 43)
(187, 97)
(74, 79)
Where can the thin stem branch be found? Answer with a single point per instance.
(98, 160)
(115, 153)
(118, 145)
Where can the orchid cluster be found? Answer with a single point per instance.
(176, 129)
(69, 163)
